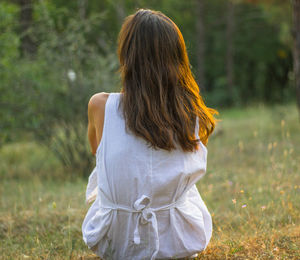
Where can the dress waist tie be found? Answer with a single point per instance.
(146, 215)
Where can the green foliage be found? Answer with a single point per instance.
(8, 38)
(71, 147)
(76, 57)
(55, 86)
(9, 53)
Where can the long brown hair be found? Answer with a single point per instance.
(161, 98)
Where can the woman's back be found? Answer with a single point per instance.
(148, 206)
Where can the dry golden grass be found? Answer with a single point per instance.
(252, 189)
(279, 244)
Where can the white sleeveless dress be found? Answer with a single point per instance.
(147, 204)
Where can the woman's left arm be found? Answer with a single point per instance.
(91, 128)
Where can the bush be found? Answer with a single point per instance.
(70, 145)
(24, 160)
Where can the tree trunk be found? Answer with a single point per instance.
(200, 43)
(296, 34)
(26, 9)
(82, 8)
(120, 8)
(229, 50)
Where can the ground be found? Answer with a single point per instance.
(251, 188)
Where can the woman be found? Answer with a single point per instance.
(149, 141)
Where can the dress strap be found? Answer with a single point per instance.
(107, 118)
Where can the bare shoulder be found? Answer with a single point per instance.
(96, 108)
(98, 100)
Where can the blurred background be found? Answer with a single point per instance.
(55, 54)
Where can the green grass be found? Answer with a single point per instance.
(253, 160)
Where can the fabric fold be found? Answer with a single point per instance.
(92, 188)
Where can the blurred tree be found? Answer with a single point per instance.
(269, 54)
(230, 22)
(200, 43)
(28, 46)
(296, 34)
(9, 55)
(121, 11)
(279, 13)
(82, 5)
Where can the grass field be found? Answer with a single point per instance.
(252, 189)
